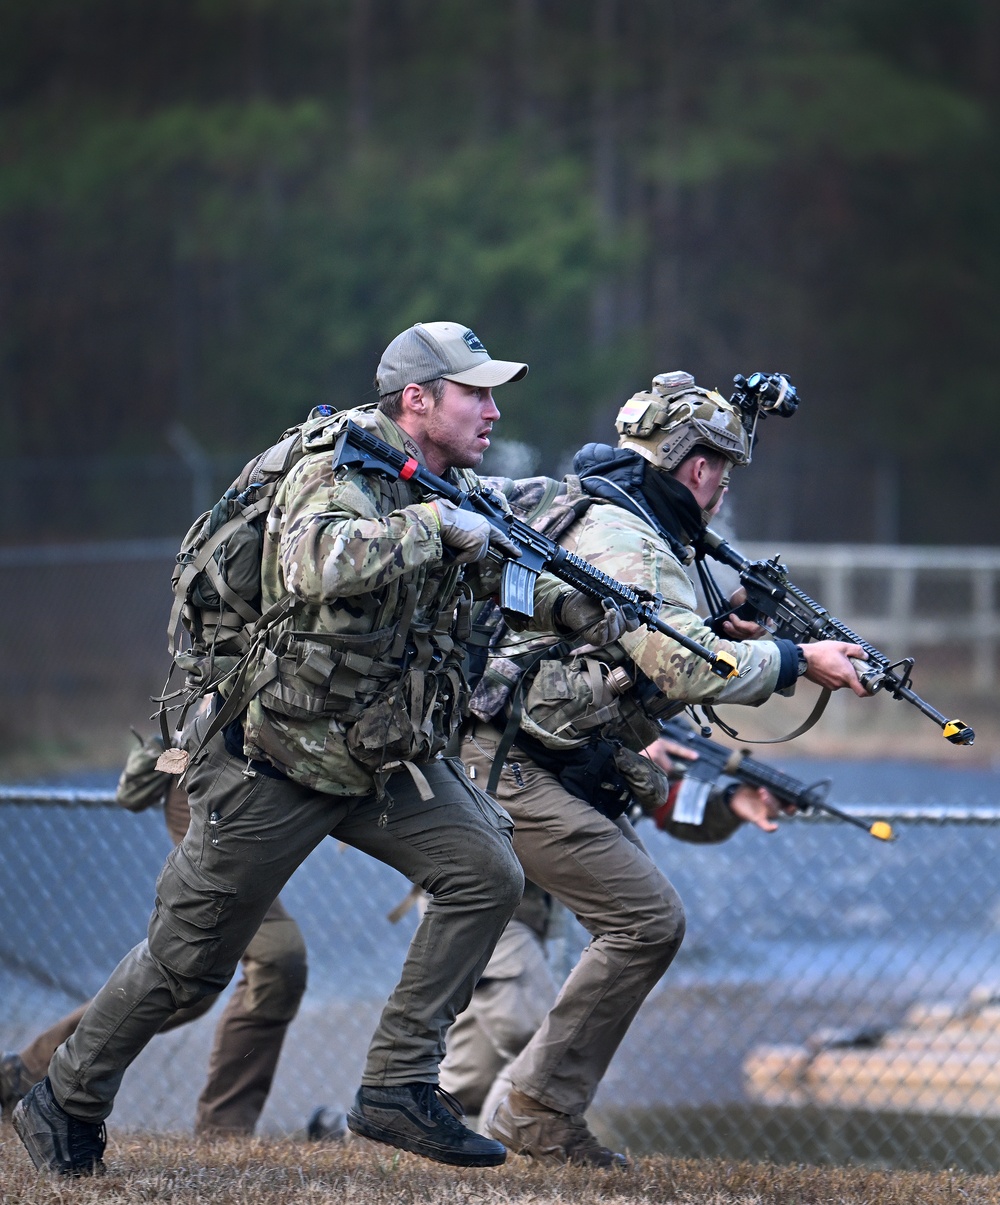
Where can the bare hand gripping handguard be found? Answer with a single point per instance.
(787, 612)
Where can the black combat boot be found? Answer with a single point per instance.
(422, 1118)
(326, 1125)
(55, 1141)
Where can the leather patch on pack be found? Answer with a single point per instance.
(173, 761)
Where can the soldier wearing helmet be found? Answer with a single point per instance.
(560, 732)
(668, 422)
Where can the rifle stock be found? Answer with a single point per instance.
(789, 613)
(365, 451)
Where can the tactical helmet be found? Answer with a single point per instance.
(664, 425)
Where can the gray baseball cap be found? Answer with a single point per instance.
(441, 349)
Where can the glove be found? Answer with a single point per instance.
(469, 535)
(141, 784)
(595, 623)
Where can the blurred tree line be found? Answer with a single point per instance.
(215, 213)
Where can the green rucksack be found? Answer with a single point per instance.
(216, 582)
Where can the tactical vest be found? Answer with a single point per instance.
(397, 692)
(551, 685)
(558, 707)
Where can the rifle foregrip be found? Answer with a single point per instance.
(871, 677)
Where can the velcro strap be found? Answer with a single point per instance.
(316, 668)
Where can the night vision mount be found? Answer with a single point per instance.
(761, 394)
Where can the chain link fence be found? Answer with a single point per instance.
(834, 999)
(837, 999)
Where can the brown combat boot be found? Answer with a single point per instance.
(527, 1127)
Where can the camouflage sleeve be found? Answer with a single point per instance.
(334, 541)
(718, 824)
(623, 546)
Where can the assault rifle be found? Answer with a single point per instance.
(789, 613)
(715, 760)
(359, 448)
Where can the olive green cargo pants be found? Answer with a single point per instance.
(251, 1031)
(247, 836)
(600, 870)
(249, 1035)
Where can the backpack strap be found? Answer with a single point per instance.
(204, 562)
(241, 693)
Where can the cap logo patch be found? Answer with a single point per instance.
(473, 341)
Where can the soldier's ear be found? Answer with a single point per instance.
(413, 399)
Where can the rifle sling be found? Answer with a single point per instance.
(811, 719)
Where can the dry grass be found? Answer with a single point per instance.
(271, 1172)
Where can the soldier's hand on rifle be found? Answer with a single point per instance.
(741, 629)
(468, 535)
(665, 753)
(593, 622)
(830, 664)
(756, 805)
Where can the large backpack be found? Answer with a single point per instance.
(216, 582)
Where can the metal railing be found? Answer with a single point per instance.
(84, 634)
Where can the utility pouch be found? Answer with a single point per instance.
(141, 785)
(568, 699)
(588, 772)
(411, 721)
(317, 675)
(647, 783)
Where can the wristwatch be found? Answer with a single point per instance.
(803, 663)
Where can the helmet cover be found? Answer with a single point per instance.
(665, 424)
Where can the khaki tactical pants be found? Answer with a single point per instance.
(508, 1005)
(247, 836)
(599, 869)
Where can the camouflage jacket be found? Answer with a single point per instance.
(380, 626)
(569, 699)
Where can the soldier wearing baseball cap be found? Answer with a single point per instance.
(428, 351)
(340, 735)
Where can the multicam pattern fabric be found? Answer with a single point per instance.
(364, 555)
(625, 547)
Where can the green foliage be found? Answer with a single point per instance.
(217, 212)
